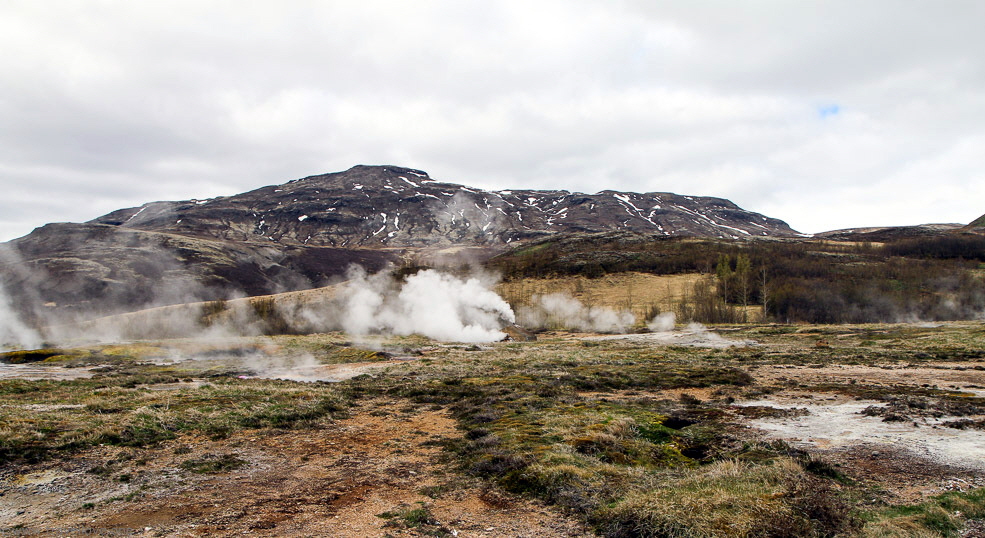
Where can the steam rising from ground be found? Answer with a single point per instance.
(434, 304)
(431, 303)
(561, 311)
(694, 334)
(662, 323)
(14, 332)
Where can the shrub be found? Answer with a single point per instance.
(731, 498)
(211, 310)
(273, 319)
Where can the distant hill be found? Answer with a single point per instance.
(882, 234)
(977, 225)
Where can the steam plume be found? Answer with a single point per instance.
(561, 311)
(14, 333)
(662, 323)
(434, 304)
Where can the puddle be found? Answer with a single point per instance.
(837, 425)
(291, 369)
(34, 372)
(324, 372)
(692, 337)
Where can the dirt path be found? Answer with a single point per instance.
(324, 482)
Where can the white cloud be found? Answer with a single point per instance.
(113, 104)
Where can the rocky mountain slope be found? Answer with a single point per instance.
(977, 225)
(388, 206)
(306, 232)
(62, 271)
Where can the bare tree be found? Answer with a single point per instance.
(724, 273)
(743, 270)
(764, 291)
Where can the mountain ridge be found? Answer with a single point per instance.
(391, 206)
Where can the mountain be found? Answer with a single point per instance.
(306, 232)
(389, 206)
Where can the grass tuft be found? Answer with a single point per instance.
(212, 463)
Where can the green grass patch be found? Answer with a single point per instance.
(417, 517)
(213, 463)
(42, 418)
(944, 515)
(38, 355)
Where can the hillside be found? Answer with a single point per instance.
(306, 232)
(388, 206)
(977, 225)
(61, 271)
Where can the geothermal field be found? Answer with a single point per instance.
(430, 406)
(505, 269)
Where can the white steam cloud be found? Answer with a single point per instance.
(561, 311)
(430, 303)
(663, 333)
(437, 305)
(662, 323)
(14, 333)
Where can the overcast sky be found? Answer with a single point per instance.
(827, 115)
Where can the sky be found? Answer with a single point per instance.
(828, 114)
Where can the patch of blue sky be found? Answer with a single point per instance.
(826, 111)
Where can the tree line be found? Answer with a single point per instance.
(939, 278)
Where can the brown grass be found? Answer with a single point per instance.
(637, 292)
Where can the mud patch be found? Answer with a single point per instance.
(693, 335)
(325, 372)
(36, 372)
(843, 423)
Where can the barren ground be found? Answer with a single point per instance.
(332, 481)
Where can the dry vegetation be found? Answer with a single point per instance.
(640, 293)
(623, 436)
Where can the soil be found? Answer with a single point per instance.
(331, 481)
